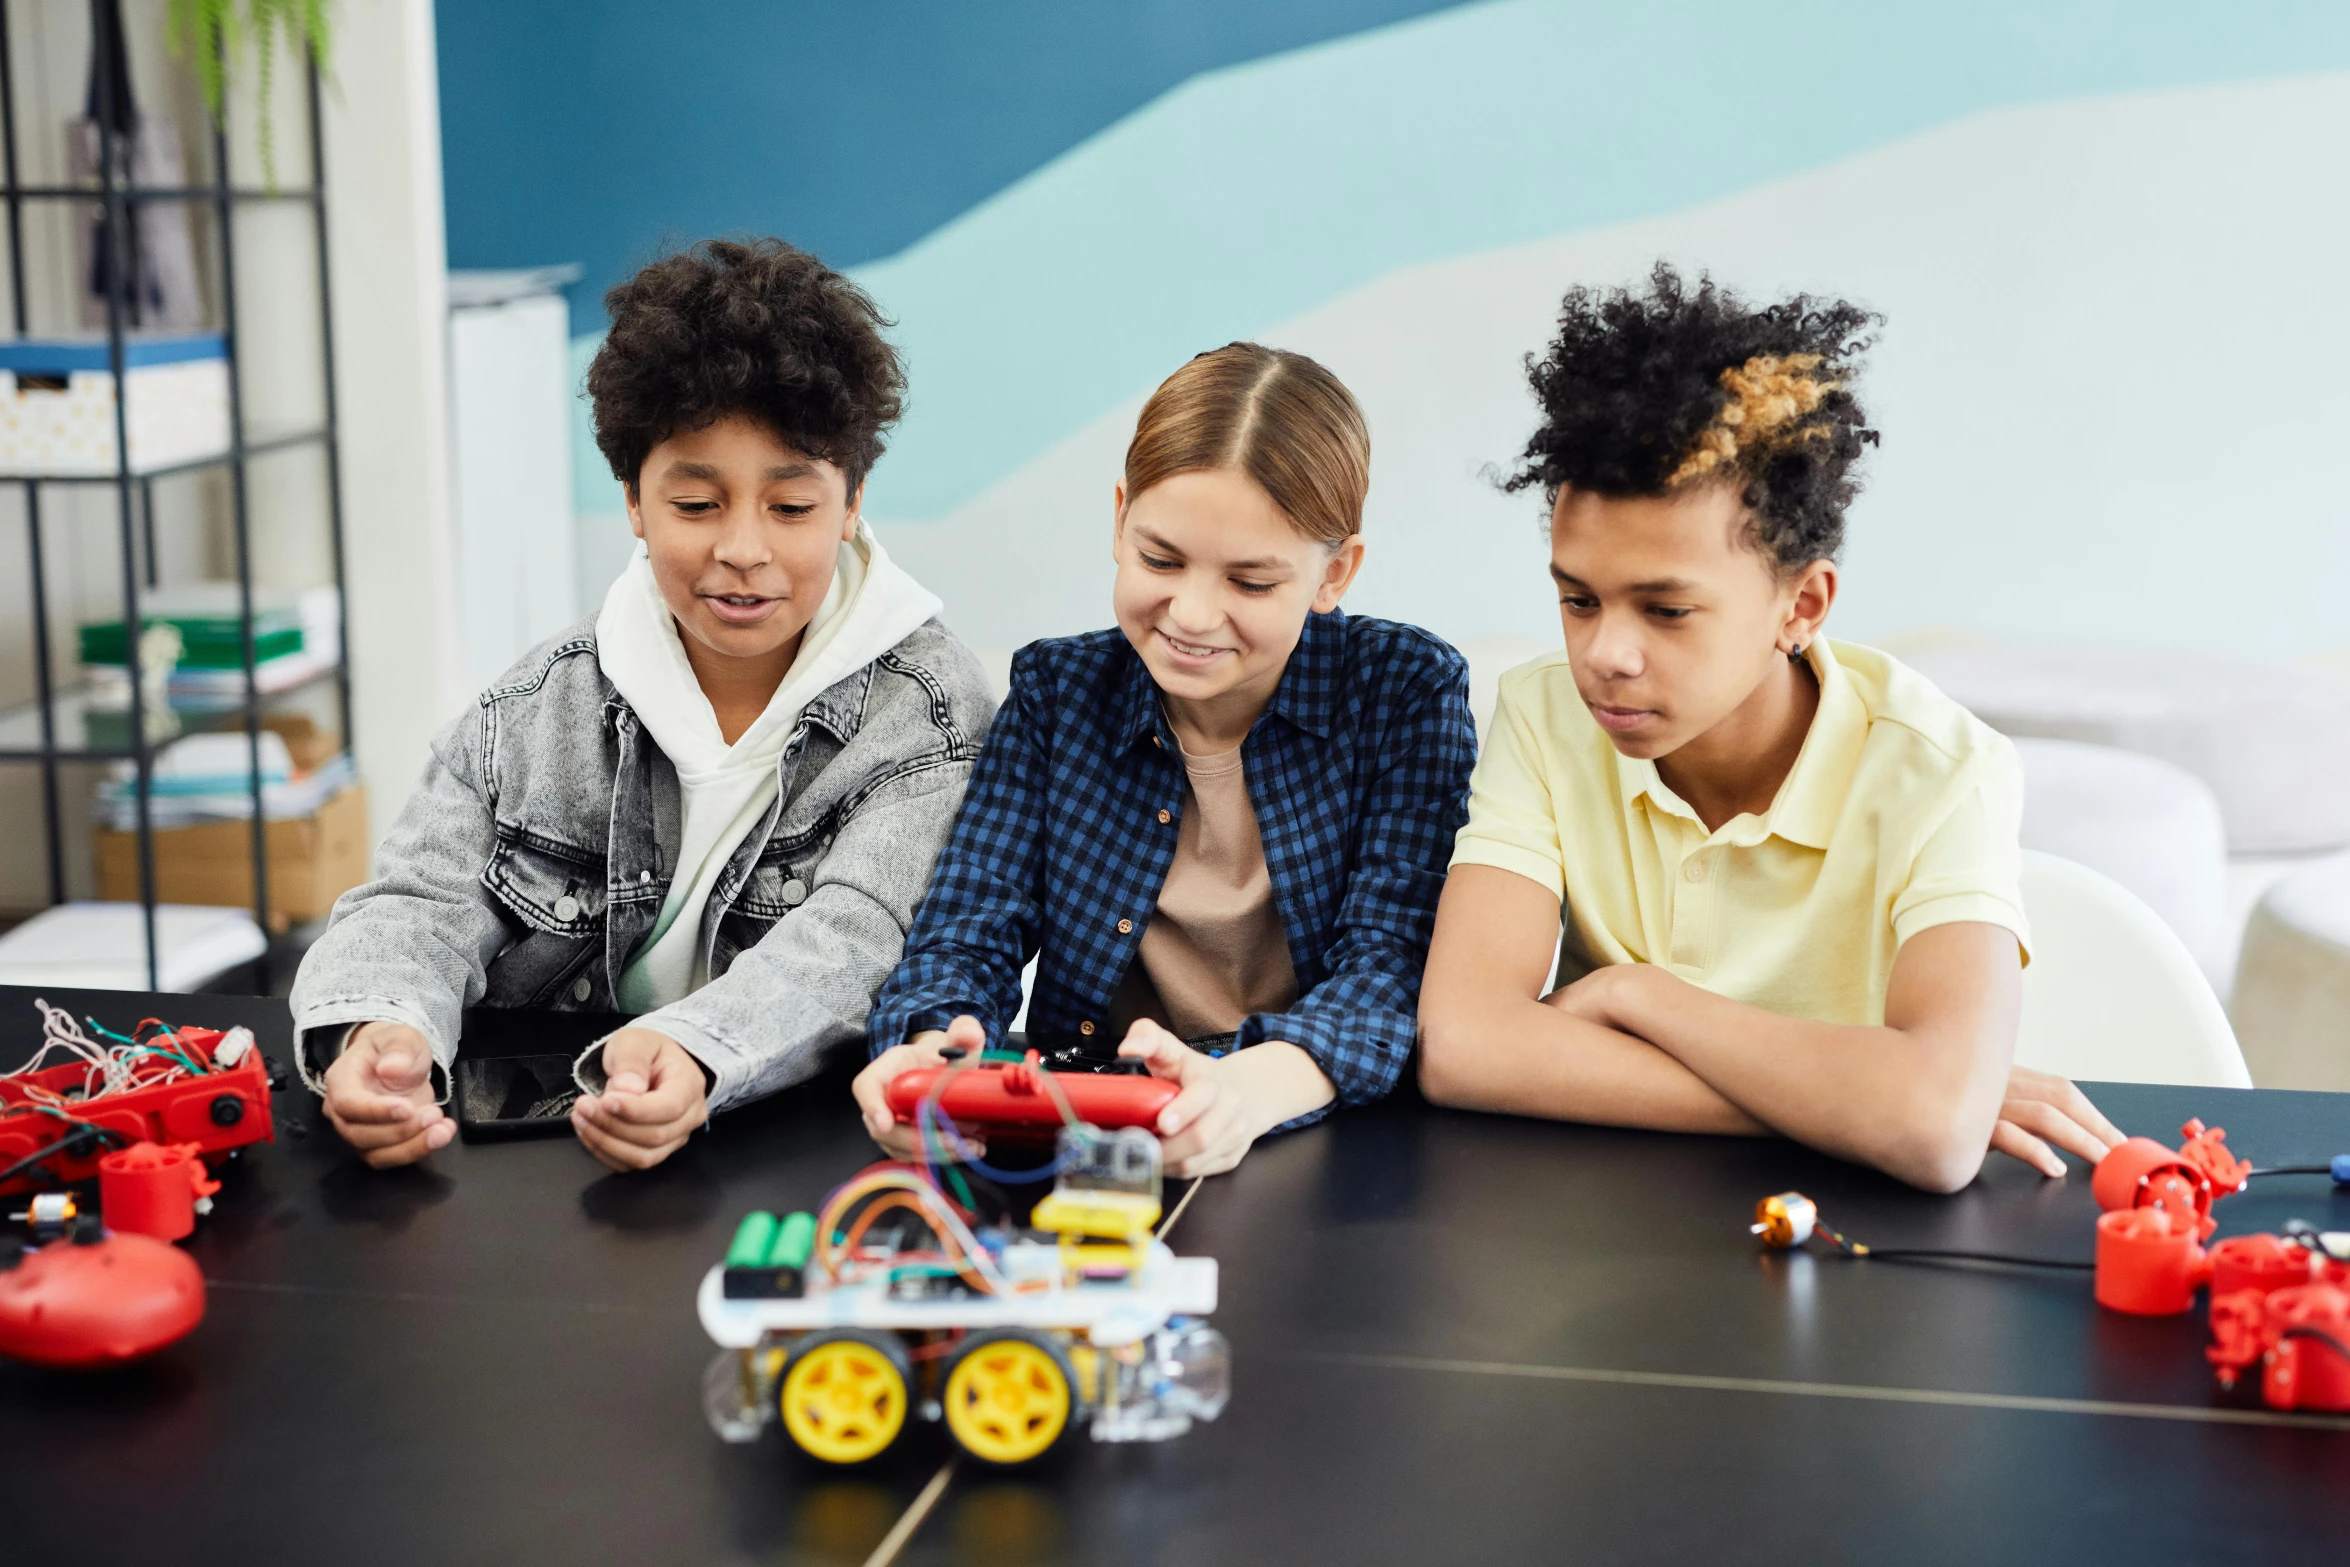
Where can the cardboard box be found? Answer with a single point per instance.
(313, 860)
(310, 746)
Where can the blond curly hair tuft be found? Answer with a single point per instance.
(1771, 397)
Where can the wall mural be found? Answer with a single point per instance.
(2105, 238)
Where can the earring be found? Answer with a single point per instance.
(1795, 653)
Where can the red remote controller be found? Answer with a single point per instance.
(1014, 1101)
(89, 1301)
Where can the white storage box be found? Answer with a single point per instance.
(57, 404)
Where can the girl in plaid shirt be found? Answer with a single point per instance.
(1220, 829)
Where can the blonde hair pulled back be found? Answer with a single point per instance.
(1276, 416)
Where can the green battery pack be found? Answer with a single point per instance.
(752, 1237)
(768, 1258)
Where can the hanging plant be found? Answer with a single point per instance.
(212, 33)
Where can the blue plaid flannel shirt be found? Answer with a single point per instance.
(1359, 773)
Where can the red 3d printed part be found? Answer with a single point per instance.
(2263, 1263)
(2140, 1173)
(220, 1109)
(1015, 1100)
(153, 1189)
(86, 1302)
(2299, 1337)
(2148, 1262)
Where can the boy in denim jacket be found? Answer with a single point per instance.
(714, 804)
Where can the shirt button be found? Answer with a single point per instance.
(583, 988)
(1085, 1028)
(1165, 817)
(1125, 927)
(795, 893)
(1694, 871)
(567, 908)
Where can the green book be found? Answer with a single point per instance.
(207, 641)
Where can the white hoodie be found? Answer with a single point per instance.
(871, 607)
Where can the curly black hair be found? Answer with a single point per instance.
(1645, 393)
(752, 327)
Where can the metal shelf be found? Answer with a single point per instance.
(39, 731)
(69, 710)
(213, 193)
(254, 446)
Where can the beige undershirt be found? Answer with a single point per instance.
(1214, 951)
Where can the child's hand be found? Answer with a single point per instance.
(379, 1096)
(1602, 995)
(872, 1084)
(1207, 1127)
(655, 1095)
(2042, 1108)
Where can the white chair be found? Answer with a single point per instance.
(2149, 824)
(2112, 995)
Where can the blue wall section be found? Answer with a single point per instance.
(597, 130)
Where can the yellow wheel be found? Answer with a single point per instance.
(844, 1396)
(1007, 1397)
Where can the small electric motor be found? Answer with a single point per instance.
(1785, 1221)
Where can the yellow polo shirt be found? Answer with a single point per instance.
(1901, 813)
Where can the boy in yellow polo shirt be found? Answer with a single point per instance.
(1788, 866)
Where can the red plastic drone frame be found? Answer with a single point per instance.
(217, 1110)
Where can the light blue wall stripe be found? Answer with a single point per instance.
(1252, 194)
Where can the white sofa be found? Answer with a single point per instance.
(2291, 1004)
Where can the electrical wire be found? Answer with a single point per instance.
(1853, 1248)
(1927, 1254)
(937, 1126)
(71, 1144)
(903, 1187)
(133, 1061)
(941, 1142)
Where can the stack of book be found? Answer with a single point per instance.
(296, 636)
(208, 777)
(200, 807)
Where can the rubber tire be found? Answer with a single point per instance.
(1071, 1417)
(888, 1345)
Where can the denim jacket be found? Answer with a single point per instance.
(1359, 774)
(535, 856)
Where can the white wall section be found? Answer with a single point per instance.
(384, 240)
(2110, 385)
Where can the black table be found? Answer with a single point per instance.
(1455, 1338)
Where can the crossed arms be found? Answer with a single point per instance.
(1924, 1097)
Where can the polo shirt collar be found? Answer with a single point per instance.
(1811, 801)
(1307, 695)
(1811, 798)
